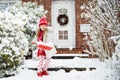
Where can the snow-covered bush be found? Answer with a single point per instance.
(104, 24)
(116, 55)
(30, 11)
(116, 40)
(9, 64)
(17, 28)
(13, 43)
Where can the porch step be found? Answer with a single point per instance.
(79, 64)
(67, 69)
(70, 56)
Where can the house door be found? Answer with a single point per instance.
(63, 23)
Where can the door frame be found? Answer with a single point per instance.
(73, 35)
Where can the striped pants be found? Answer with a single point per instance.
(43, 64)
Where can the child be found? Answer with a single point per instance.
(42, 35)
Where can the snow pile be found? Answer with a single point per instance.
(103, 70)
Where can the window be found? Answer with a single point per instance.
(63, 35)
(62, 11)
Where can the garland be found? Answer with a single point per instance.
(62, 19)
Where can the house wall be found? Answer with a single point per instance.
(80, 43)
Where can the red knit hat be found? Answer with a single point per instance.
(42, 21)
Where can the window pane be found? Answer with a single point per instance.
(66, 33)
(65, 37)
(60, 37)
(60, 32)
(62, 11)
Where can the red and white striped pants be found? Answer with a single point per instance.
(43, 63)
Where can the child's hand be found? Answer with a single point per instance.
(33, 42)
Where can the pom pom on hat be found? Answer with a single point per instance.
(43, 21)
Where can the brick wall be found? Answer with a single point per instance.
(80, 44)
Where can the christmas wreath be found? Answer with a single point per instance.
(62, 19)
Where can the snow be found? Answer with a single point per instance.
(108, 70)
(100, 73)
(72, 55)
(72, 63)
(73, 75)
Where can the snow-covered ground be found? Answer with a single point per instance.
(102, 72)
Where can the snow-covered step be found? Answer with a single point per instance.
(79, 64)
(67, 69)
(70, 56)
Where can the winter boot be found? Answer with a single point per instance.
(45, 73)
(40, 74)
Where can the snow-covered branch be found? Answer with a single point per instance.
(104, 24)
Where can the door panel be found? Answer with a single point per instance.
(63, 35)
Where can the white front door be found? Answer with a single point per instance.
(63, 35)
